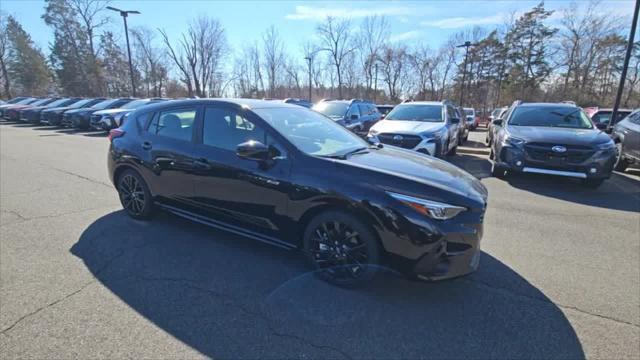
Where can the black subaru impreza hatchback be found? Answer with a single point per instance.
(291, 177)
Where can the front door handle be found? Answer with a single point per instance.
(146, 145)
(202, 164)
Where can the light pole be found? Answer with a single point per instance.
(466, 45)
(308, 58)
(623, 76)
(124, 15)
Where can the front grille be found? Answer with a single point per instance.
(401, 140)
(575, 154)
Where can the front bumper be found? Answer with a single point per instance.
(597, 165)
(433, 249)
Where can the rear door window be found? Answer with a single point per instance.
(175, 123)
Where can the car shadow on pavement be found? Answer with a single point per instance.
(478, 166)
(231, 297)
(618, 192)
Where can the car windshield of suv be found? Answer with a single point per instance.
(135, 104)
(332, 110)
(468, 112)
(104, 104)
(310, 132)
(560, 116)
(426, 113)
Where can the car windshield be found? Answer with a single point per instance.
(332, 109)
(25, 101)
(310, 132)
(57, 102)
(104, 104)
(560, 116)
(468, 112)
(426, 113)
(79, 104)
(40, 102)
(496, 112)
(136, 104)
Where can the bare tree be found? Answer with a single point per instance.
(4, 54)
(199, 54)
(335, 39)
(151, 60)
(89, 11)
(392, 61)
(374, 33)
(274, 59)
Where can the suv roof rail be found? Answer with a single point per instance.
(406, 101)
(517, 102)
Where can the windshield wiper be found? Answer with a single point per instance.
(345, 155)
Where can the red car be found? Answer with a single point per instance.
(12, 113)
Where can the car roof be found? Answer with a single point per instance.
(439, 103)
(547, 105)
(244, 103)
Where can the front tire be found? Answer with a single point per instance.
(498, 171)
(342, 249)
(135, 196)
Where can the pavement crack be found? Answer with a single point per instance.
(546, 301)
(229, 300)
(51, 216)
(82, 177)
(77, 291)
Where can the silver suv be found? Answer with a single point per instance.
(425, 126)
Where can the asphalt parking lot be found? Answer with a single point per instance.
(559, 276)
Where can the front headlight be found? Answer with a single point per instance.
(433, 209)
(609, 145)
(513, 141)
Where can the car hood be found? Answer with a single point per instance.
(421, 168)
(406, 127)
(558, 136)
(110, 111)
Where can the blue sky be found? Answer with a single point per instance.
(430, 22)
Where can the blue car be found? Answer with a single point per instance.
(356, 115)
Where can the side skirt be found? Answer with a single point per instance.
(226, 227)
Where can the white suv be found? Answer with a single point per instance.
(425, 126)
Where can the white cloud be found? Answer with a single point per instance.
(320, 13)
(409, 35)
(460, 22)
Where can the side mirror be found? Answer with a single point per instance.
(497, 122)
(454, 120)
(253, 150)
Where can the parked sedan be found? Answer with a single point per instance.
(54, 116)
(491, 130)
(80, 118)
(24, 101)
(32, 115)
(13, 113)
(111, 118)
(470, 118)
(288, 176)
(626, 135)
(553, 139)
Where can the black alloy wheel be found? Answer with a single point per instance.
(134, 195)
(342, 250)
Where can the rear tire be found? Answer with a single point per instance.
(135, 196)
(342, 249)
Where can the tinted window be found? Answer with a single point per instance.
(226, 129)
(175, 124)
(311, 132)
(332, 109)
(552, 116)
(605, 116)
(427, 113)
(135, 104)
(353, 110)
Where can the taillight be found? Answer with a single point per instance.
(115, 133)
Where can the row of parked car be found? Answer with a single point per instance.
(92, 113)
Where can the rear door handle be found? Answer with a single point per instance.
(146, 145)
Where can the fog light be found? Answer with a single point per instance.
(518, 163)
(593, 170)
